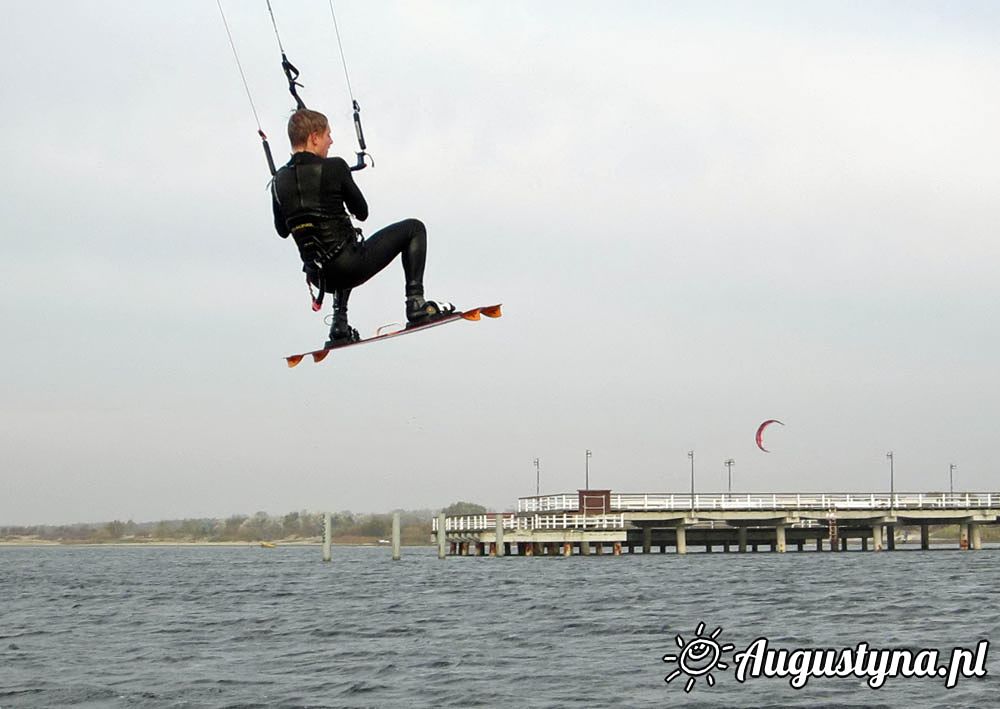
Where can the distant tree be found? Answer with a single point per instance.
(464, 508)
(115, 529)
(375, 526)
(231, 528)
(291, 525)
(197, 528)
(164, 530)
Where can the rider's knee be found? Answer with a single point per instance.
(416, 227)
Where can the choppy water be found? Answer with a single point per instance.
(225, 627)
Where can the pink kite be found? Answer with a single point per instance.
(760, 433)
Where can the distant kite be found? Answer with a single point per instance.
(760, 433)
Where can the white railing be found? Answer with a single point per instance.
(547, 503)
(461, 523)
(511, 522)
(673, 502)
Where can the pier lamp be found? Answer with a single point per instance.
(691, 456)
(951, 478)
(538, 479)
(892, 480)
(729, 466)
(587, 479)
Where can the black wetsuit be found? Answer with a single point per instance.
(311, 197)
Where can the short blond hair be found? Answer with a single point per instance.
(304, 123)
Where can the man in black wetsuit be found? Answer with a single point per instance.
(311, 196)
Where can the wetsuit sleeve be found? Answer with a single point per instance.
(353, 199)
(279, 219)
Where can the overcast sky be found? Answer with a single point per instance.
(698, 215)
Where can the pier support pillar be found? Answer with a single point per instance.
(753, 547)
(741, 536)
(568, 549)
(975, 537)
(963, 536)
(663, 548)
(925, 537)
(618, 549)
(647, 539)
(843, 543)
(599, 548)
(725, 547)
(585, 548)
(500, 546)
(864, 543)
(708, 547)
(441, 536)
(779, 539)
(890, 537)
(819, 543)
(800, 545)
(877, 537)
(682, 546)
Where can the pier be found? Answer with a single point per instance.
(606, 522)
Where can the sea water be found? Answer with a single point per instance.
(243, 626)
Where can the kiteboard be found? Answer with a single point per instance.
(490, 311)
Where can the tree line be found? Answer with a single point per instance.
(415, 526)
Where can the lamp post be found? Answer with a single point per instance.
(691, 456)
(587, 482)
(892, 480)
(951, 478)
(538, 479)
(729, 466)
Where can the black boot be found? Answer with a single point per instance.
(421, 312)
(340, 332)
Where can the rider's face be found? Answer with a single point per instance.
(320, 142)
(323, 142)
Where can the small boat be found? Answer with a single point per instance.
(384, 541)
(268, 545)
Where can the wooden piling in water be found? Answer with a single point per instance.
(395, 537)
(327, 535)
(441, 535)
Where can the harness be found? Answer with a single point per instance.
(297, 190)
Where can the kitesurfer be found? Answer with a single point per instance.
(312, 196)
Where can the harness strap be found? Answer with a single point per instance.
(313, 268)
(292, 74)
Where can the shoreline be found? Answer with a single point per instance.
(296, 543)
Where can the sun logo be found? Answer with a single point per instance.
(698, 657)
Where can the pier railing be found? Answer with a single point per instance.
(641, 502)
(513, 522)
